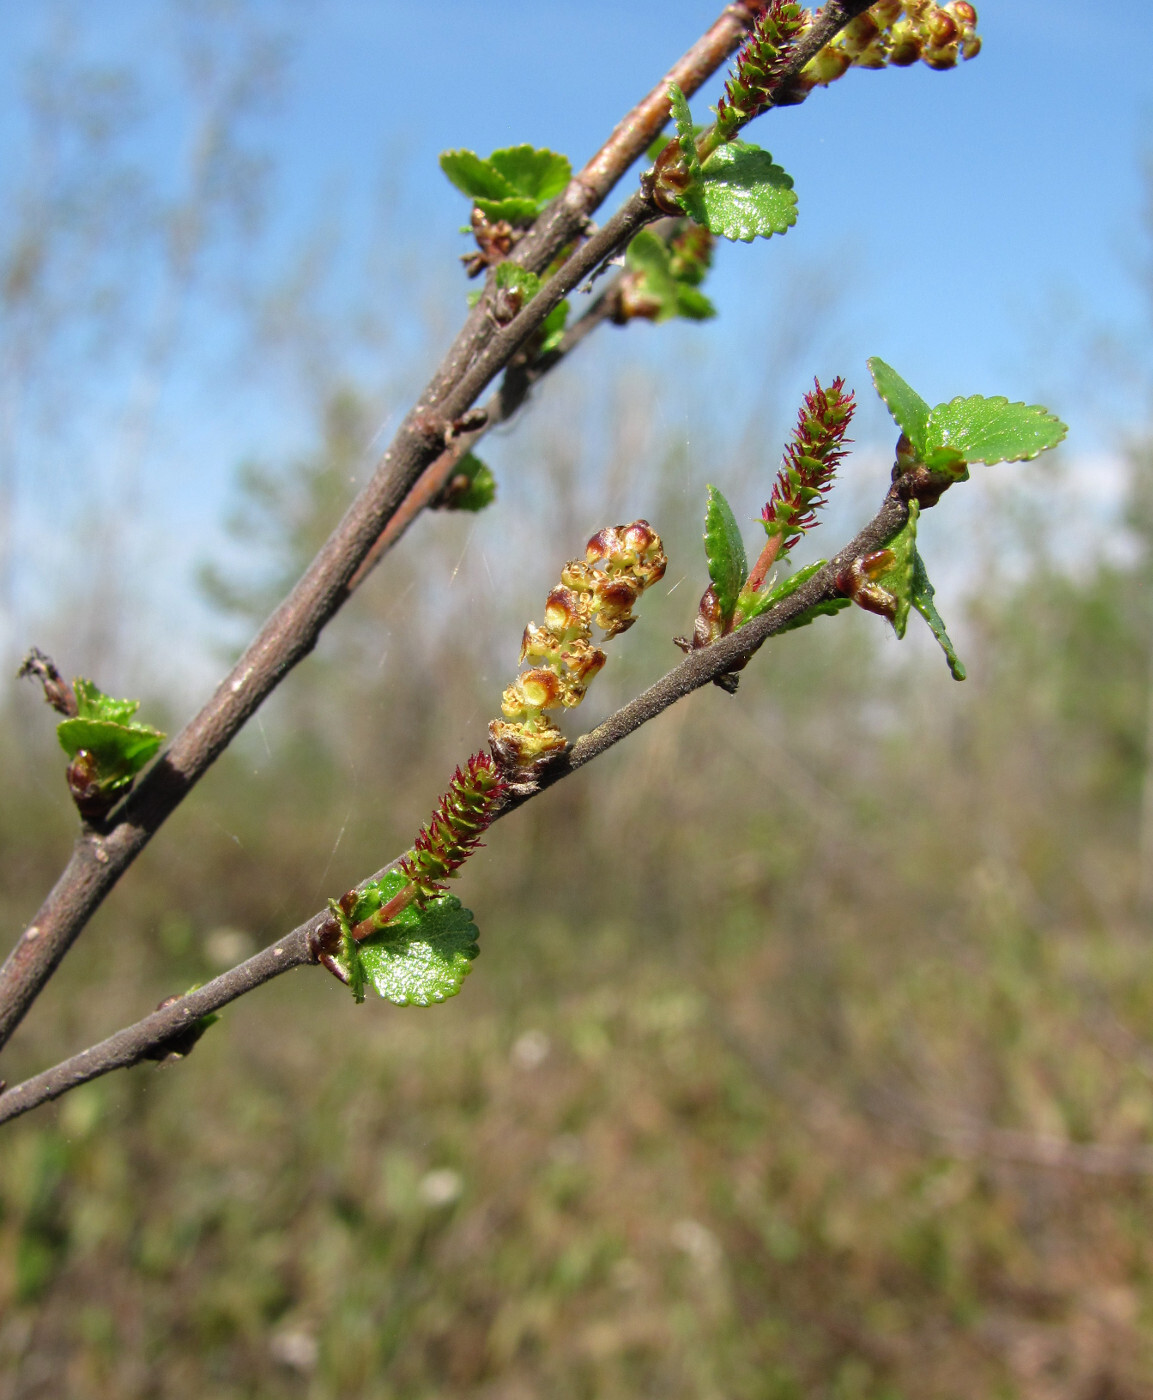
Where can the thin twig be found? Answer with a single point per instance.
(305, 945)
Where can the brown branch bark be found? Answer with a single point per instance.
(303, 945)
(480, 351)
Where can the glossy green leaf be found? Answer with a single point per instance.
(475, 176)
(898, 577)
(750, 605)
(424, 955)
(744, 194)
(910, 411)
(480, 490)
(922, 597)
(725, 551)
(539, 174)
(119, 747)
(991, 430)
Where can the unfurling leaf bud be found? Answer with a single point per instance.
(906, 457)
(858, 581)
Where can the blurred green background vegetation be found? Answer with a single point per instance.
(810, 1051)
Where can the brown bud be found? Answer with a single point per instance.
(468, 422)
(855, 582)
(709, 623)
(964, 13)
(906, 457)
(875, 564)
(506, 304)
(83, 775)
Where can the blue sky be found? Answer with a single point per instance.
(980, 229)
(957, 211)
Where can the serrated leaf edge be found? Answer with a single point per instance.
(1002, 401)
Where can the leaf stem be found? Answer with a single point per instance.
(385, 914)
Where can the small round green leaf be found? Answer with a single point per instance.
(744, 194)
(992, 430)
(424, 955)
(650, 258)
